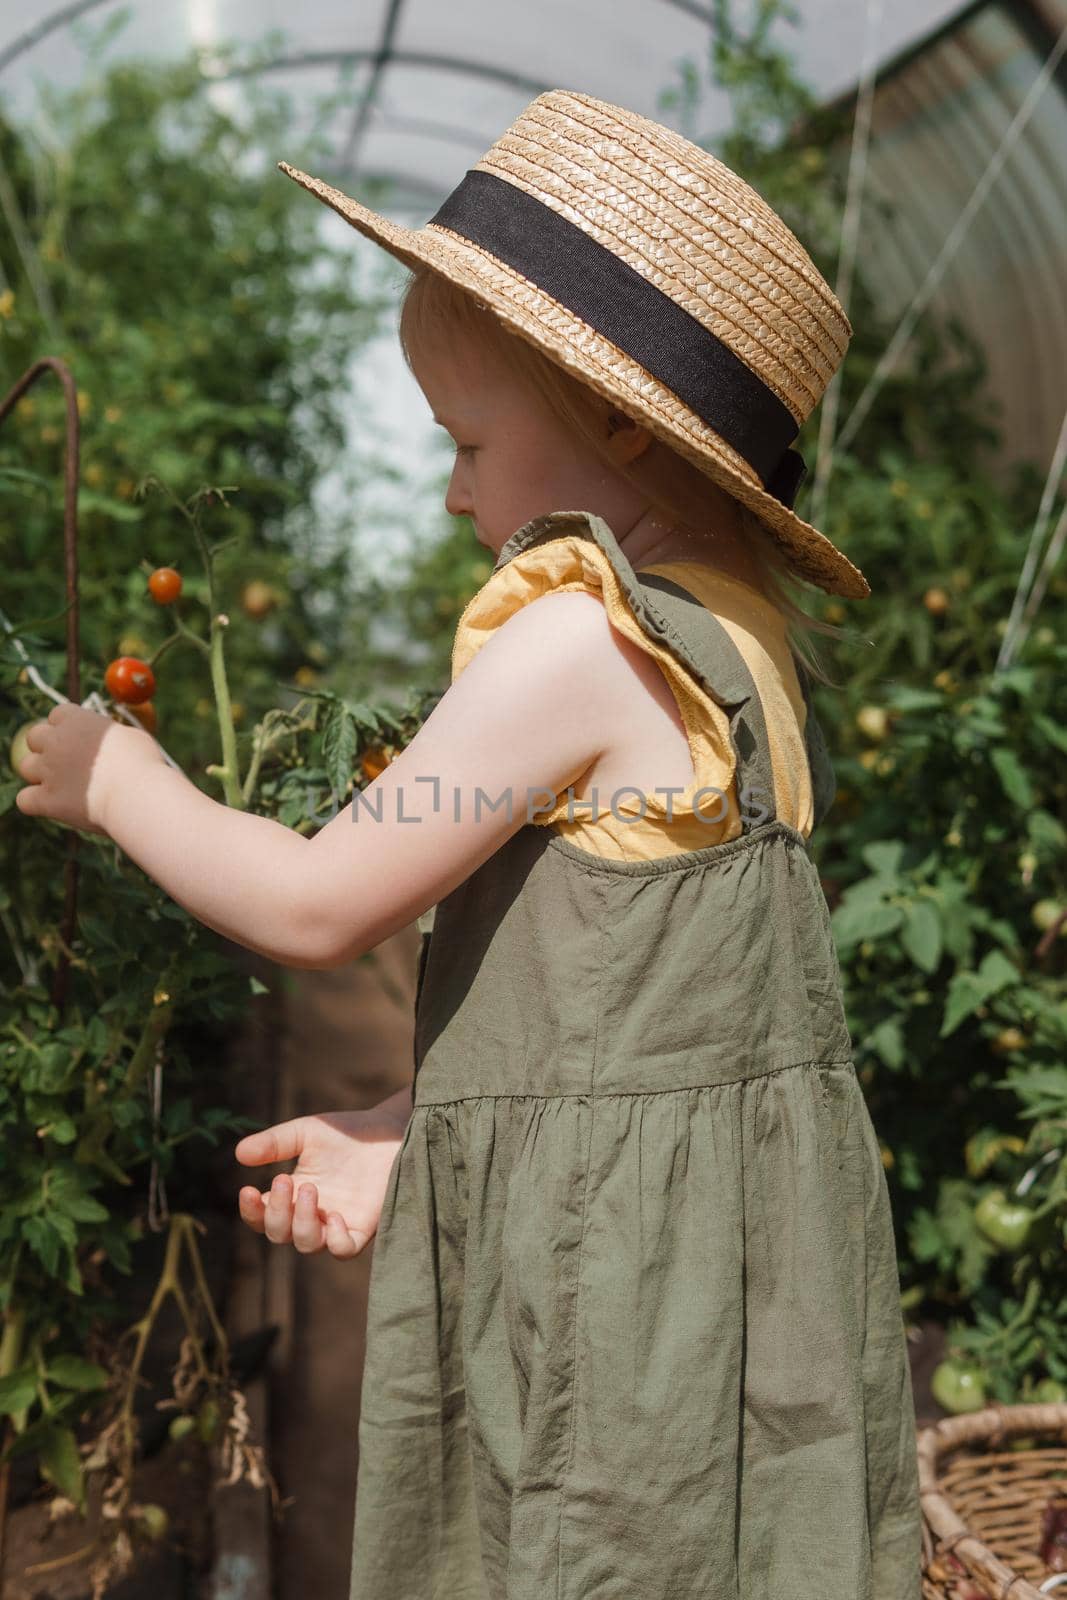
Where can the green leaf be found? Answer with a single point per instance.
(926, 1239)
(18, 1391)
(968, 990)
(61, 1463)
(292, 811)
(1042, 1091)
(1051, 730)
(997, 972)
(964, 997)
(951, 1237)
(364, 716)
(921, 935)
(887, 1041)
(67, 1193)
(902, 698)
(63, 1223)
(883, 856)
(1045, 833)
(1013, 779)
(44, 1241)
(19, 475)
(339, 742)
(83, 1208)
(75, 1373)
(125, 1113)
(852, 922)
(117, 510)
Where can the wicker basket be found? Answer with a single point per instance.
(983, 1509)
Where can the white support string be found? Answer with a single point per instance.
(1052, 555)
(857, 172)
(933, 277)
(1018, 618)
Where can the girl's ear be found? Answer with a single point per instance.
(627, 439)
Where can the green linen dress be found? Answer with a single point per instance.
(634, 1327)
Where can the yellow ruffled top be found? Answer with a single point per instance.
(758, 629)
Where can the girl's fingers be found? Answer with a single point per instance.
(339, 1238)
(307, 1225)
(280, 1143)
(298, 1222)
(250, 1206)
(278, 1213)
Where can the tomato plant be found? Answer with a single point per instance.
(78, 1079)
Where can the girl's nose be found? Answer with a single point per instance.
(457, 498)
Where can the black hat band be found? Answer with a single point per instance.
(636, 316)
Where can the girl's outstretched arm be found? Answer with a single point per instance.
(534, 708)
(528, 715)
(236, 872)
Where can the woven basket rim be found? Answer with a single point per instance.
(944, 1529)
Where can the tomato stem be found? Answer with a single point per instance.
(230, 771)
(181, 1231)
(182, 630)
(1024, 1313)
(275, 725)
(11, 1343)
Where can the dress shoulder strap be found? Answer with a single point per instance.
(682, 624)
(718, 663)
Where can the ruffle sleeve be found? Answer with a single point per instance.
(574, 563)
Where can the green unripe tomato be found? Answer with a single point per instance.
(154, 1520)
(181, 1427)
(1049, 1392)
(19, 749)
(207, 1420)
(1005, 1222)
(958, 1387)
(1043, 913)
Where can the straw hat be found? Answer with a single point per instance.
(643, 265)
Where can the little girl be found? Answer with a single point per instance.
(634, 1325)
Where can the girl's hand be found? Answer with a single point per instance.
(343, 1163)
(76, 756)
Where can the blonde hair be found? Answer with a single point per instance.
(435, 312)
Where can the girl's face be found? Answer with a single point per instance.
(514, 459)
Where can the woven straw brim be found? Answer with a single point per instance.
(573, 345)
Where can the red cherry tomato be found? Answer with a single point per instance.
(165, 585)
(374, 761)
(130, 680)
(146, 715)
